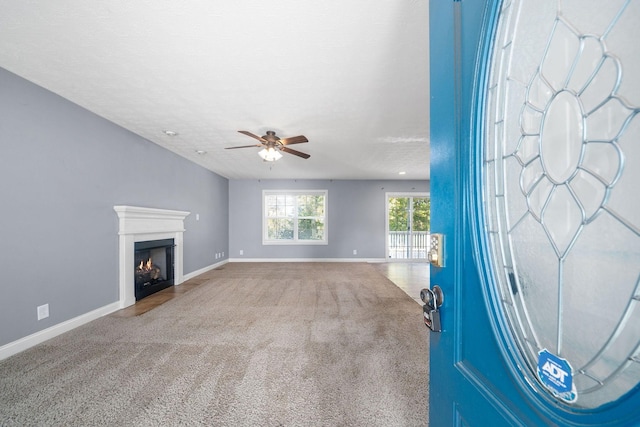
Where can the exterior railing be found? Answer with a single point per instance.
(408, 245)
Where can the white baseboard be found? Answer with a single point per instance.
(55, 330)
(203, 270)
(22, 344)
(369, 260)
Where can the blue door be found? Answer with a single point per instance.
(535, 160)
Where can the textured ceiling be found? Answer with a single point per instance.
(350, 75)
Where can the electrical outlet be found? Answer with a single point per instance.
(241, 252)
(197, 217)
(43, 311)
(355, 252)
(222, 255)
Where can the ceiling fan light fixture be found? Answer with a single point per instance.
(272, 145)
(270, 154)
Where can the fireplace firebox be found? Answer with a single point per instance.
(153, 266)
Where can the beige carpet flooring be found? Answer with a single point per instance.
(256, 344)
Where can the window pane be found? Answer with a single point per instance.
(280, 229)
(398, 213)
(280, 206)
(310, 229)
(302, 205)
(310, 205)
(270, 203)
(319, 205)
(421, 213)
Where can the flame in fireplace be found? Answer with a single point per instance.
(145, 266)
(146, 271)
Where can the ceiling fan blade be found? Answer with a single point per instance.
(294, 152)
(252, 135)
(294, 140)
(243, 146)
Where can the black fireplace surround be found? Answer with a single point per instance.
(153, 266)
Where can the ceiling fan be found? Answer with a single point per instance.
(272, 145)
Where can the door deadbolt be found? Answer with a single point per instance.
(436, 250)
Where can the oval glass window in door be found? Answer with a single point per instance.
(560, 173)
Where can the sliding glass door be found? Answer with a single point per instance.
(408, 219)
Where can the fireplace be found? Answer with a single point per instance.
(136, 227)
(153, 266)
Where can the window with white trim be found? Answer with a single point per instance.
(294, 217)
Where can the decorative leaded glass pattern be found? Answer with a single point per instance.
(560, 169)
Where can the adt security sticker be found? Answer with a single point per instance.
(555, 374)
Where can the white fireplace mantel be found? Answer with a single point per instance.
(138, 224)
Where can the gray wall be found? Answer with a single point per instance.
(356, 217)
(62, 169)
